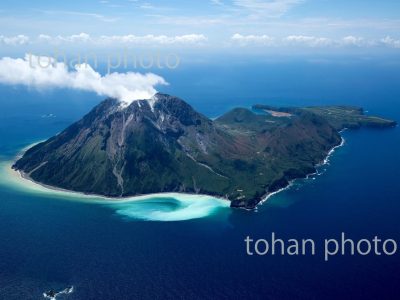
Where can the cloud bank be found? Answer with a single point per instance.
(103, 40)
(14, 40)
(195, 40)
(244, 40)
(391, 42)
(44, 72)
(312, 41)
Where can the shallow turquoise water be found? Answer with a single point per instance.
(161, 207)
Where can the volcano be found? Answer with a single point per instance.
(163, 145)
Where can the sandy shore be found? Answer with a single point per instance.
(23, 181)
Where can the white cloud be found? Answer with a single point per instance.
(292, 40)
(74, 38)
(354, 41)
(310, 41)
(154, 39)
(46, 73)
(44, 38)
(150, 40)
(82, 37)
(126, 39)
(14, 40)
(390, 42)
(244, 40)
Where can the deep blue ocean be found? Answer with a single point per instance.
(51, 243)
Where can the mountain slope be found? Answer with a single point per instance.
(164, 145)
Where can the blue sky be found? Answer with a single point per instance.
(120, 33)
(210, 24)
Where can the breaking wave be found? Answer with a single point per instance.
(52, 295)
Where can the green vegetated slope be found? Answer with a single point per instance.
(164, 145)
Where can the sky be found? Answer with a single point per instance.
(210, 25)
(57, 44)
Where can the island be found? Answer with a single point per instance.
(163, 145)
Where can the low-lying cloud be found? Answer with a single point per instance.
(312, 41)
(43, 72)
(246, 39)
(14, 40)
(391, 42)
(129, 39)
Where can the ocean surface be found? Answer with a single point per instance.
(193, 248)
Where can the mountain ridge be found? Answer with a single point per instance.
(164, 145)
